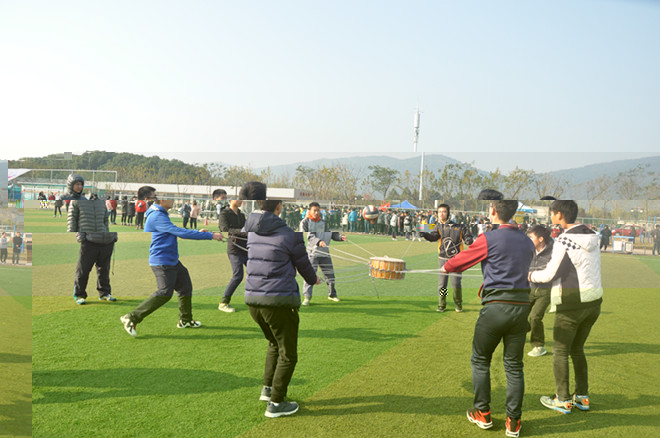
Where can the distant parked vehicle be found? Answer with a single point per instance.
(626, 230)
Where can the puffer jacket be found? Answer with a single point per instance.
(89, 220)
(574, 270)
(275, 252)
(451, 238)
(540, 261)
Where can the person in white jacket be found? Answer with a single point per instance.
(576, 296)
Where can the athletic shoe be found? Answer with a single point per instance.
(481, 419)
(129, 325)
(557, 405)
(265, 393)
(107, 297)
(513, 427)
(274, 410)
(440, 309)
(537, 351)
(189, 324)
(79, 300)
(459, 310)
(581, 402)
(335, 299)
(306, 301)
(226, 308)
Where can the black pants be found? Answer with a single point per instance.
(237, 262)
(130, 219)
(113, 216)
(3, 255)
(280, 327)
(193, 223)
(139, 220)
(93, 254)
(124, 215)
(540, 300)
(168, 279)
(500, 322)
(455, 284)
(656, 247)
(57, 208)
(185, 221)
(570, 333)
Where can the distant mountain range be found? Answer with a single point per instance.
(578, 177)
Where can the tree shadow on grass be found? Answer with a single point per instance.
(381, 307)
(82, 385)
(17, 417)
(354, 334)
(607, 411)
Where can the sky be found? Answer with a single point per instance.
(542, 85)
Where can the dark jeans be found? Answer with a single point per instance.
(455, 284)
(540, 300)
(571, 331)
(237, 262)
(656, 248)
(193, 223)
(113, 216)
(139, 220)
(500, 322)
(168, 279)
(16, 256)
(93, 254)
(604, 243)
(3, 255)
(185, 221)
(280, 327)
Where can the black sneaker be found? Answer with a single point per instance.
(513, 427)
(274, 410)
(265, 393)
(481, 419)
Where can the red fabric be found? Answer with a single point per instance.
(140, 206)
(474, 254)
(309, 216)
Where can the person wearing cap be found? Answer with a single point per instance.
(89, 220)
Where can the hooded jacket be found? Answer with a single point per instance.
(88, 219)
(574, 270)
(275, 252)
(164, 249)
(70, 181)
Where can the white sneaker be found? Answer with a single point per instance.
(305, 301)
(226, 308)
(335, 299)
(537, 352)
(129, 326)
(189, 324)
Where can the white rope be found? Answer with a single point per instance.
(363, 249)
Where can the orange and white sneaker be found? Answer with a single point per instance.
(481, 419)
(513, 427)
(581, 402)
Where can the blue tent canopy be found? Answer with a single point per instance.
(525, 209)
(404, 205)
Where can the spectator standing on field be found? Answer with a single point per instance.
(185, 213)
(194, 214)
(539, 295)
(4, 244)
(655, 235)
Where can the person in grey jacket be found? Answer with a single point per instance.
(89, 220)
(4, 242)
(275, 253)
(317, 247)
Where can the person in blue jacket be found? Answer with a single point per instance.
(170, 273)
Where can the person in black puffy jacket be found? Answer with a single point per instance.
(275, 253)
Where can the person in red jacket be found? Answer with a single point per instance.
(140, 209)
(505, 255)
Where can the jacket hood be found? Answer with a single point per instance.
(70, 181)
(265, 222)
(582, 237)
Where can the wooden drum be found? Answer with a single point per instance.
(387, 268)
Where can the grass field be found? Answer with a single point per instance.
(381, 362)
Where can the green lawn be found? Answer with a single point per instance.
(381, 362)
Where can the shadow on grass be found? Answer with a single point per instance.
(607, 411)
(15, 358)
(354, 334)
(612, 348)
(371, 307)
(81, 385)
(17, 417)
(374, 404)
